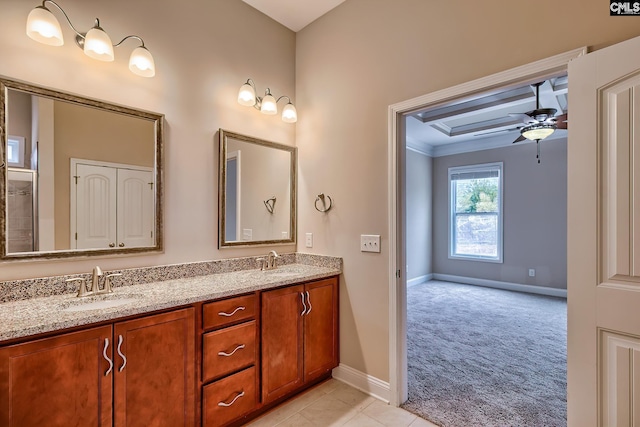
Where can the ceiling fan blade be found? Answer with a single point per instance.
(520, 138)
(561, 121)
(523, 116)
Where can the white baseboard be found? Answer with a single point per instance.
(541, 290)
(419, 280)
(366, 383)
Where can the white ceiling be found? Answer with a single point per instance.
(483, 121)
(294, 14)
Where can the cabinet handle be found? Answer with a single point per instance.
(112, 245)
(304, 310)
(308, 302)
(238, 396)
(121, 245)
(104, 353)
(222, 353)
(222, 313)
(124, 359)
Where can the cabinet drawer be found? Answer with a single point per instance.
(228, 311)
(229, 398)
(228, 350)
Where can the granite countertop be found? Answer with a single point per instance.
(46, 314)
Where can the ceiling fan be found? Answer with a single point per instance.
(539, 123)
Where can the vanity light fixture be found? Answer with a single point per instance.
(43, 27)
(267, 104)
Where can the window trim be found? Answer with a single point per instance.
(499, 166)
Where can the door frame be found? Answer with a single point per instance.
(544, 68)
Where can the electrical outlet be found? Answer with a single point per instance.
(370, 243)
(308, 240)
(247, 234)
(285, 235)
(532, 272)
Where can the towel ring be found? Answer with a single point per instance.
(324, 205)
(270, 204)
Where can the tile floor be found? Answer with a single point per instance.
(334, 403)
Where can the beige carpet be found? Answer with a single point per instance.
(486, 357)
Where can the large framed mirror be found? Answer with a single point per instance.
(80, 176)
(257, 191)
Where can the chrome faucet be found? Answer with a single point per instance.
(94, 288)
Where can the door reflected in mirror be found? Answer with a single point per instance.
(94, 170)
(257, 191)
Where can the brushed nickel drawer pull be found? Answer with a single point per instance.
(222, 353)
(124, 359)
(222, 313)
(233, 401)
(104, 353)
(304, 309)
(308, 302)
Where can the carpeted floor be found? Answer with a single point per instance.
(486, 357)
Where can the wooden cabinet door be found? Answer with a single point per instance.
(62, 381)
(321, 328)
(154, 361)
(281, 341)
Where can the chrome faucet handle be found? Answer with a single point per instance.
(108, 287)
(262, 262)
(82, 290)
(271, 261)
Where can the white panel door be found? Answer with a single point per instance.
(95, 207)
(135, 203)
(604, 238)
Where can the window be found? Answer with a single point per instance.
(15, 151)
(475, 225)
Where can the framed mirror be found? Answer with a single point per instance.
(81, 176)
(257, 191)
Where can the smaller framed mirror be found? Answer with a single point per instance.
(256, 191)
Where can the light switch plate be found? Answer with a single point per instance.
(308, 240)
(370, 243)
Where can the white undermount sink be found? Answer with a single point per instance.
(101, 302)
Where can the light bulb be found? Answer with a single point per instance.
(141, 62)
(247, 95)
(98, 45)
(269, 105)
(43, 27)
(289, 113)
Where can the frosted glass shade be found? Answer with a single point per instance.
(43, 27)
(538, 131)
(141, 62)
(247, 95)
(98, 45)
(289, 113)
(269, 105)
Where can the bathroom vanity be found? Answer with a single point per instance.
(211, 350)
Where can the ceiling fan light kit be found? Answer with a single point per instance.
(540, 123)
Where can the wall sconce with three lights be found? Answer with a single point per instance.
(267, 104)
(43, 27)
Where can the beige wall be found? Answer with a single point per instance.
(204, 51)
(365, 55)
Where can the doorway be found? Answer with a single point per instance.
(530, 73)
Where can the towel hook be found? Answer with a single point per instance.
(325, 208)
(270, 204)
